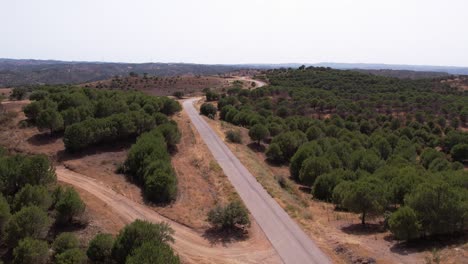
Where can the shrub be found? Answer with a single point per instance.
(229, 217)
(208, 110)
(178, 94)
(31, 251)
(100, 248)
(65, 241)
(234, 136)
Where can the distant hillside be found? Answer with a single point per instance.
(405, 74)
(26, 72)
(367, 66)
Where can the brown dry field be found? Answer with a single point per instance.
(201, 183)
(189, 85)
(337, 233)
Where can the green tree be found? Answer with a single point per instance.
(211, 96)
(30, 221)
(366, 196)
(160, 182)
(229, 217)
(274, 153)
(31, 251)
(33, 195)
(289, 142)
(440, 208)
(18, 93)
(135, 234)
(404, 224)
(325, 183)
(68, 205)
(208, 110)
(153, 252)
(459, 152)
(171, 134)
(65, 241)
(258, 133)
(312, 168)
(4, 214)
(50, 119)
(309, 149)
(71, 256)
(100, 248)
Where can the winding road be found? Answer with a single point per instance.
(291, 243)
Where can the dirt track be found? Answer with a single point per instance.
(291, 243)
(190, 245)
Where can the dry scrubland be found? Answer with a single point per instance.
(201, 185)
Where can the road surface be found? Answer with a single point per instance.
(291, 243)
(190, 245)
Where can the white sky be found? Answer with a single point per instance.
(237, 31)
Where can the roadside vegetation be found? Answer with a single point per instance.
(378, 146)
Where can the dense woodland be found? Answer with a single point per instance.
(33, 208)
(373, 145)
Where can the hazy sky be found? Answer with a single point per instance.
(237, 31)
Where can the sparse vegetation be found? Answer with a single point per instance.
(234, 136)
(234, 215)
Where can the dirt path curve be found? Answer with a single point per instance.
(190, 245)
(258, 83)
(291, 243)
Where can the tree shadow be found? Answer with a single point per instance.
(64, 155)
(360, 229)
(429, 243)
(58, 228)
(254, 146)
(225, 236)
(44, 138)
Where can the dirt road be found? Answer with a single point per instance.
(258, 83)
(191, 246)
(291, 243)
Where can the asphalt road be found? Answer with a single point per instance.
(291, 243)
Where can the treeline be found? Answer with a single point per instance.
(327, 125)
(90, 116)
(30, 204)
(322, 91)
(149, 165)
